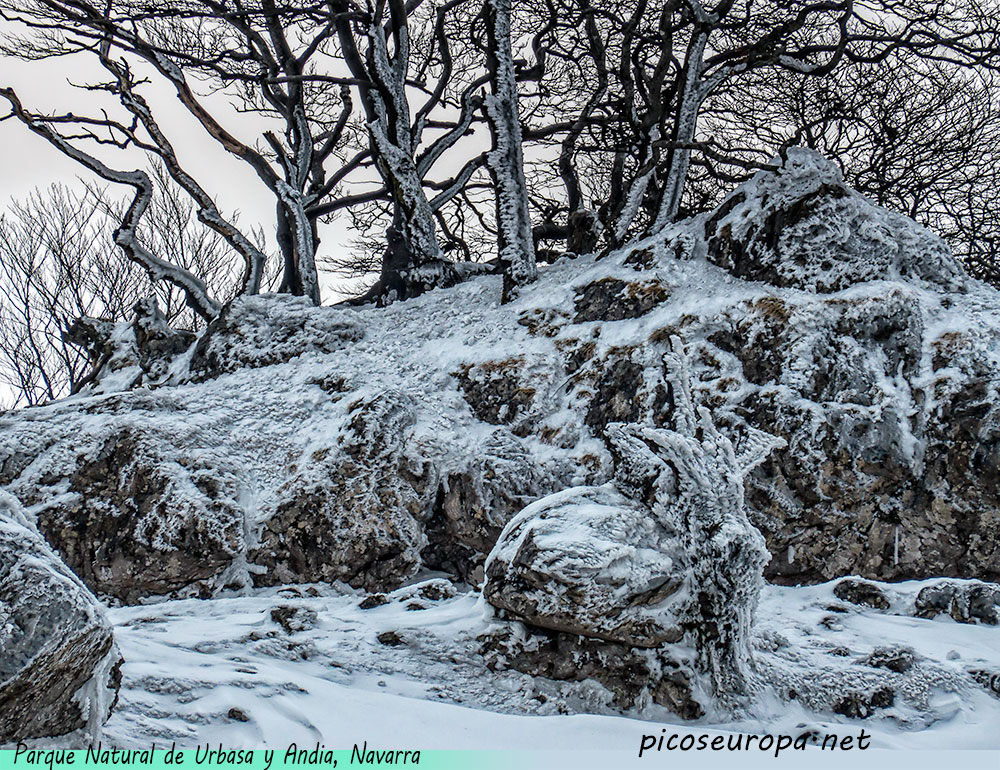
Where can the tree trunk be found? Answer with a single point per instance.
(685, 126)
(506, 160)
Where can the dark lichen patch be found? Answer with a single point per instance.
(494, 390)
(611, 299)
(543, 322)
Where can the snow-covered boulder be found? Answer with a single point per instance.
(59, 666)
(135, 519)
(669, 555)
(350, 511)
(964, 601)
(801, 226)
(593, 562)
(260, 331)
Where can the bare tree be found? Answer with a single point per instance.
(506, 160)
(58, 263)
(623, 88)
(258, 53)
(596, 111)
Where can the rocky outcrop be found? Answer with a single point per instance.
(866, 350)
(802, 227)
(252, 332)
(592, 562)
(634, 676)
(59, 666)
(133, 522)
(350, 512)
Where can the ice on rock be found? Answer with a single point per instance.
(58, 659)
(589, 561)
(802, 227)
(663, 554)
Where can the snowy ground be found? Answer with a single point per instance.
(225, 670)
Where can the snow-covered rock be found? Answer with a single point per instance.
(59, 666)
(965, 602)
(884, 390)
(593, 562)
(260, 331)
(803, 227)
(673, 558)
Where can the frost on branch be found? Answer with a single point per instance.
(665, 554)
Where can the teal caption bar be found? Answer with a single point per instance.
(159, 757)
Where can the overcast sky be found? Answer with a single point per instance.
(27, 161)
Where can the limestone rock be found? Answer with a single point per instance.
(965, 602)
(260, 331)
(350, 511)
(136, 523)
(59, 666)
(592, 562)
(803, 227)
(861, 592)
(633, 676)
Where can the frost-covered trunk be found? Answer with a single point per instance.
(693, 93)
(697, 482)
(413, 217)
(413, 259)
(628, 207)
(506, 160)
(297, 232)
(195, 291)
(297, 239)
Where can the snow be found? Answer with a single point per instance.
(189, 662)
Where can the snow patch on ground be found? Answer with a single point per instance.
(226, 670)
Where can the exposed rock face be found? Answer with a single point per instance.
(633, 676)
(58, 661)
(667, 555)
(612, 299)
(889, 469)
(473, 505)
(802, 227)
(867, 351)
(862, 593)
(350, 513)
(964, 602)
(158, 344)
(134, 523)
(113, 353)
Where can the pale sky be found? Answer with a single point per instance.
(28, 161)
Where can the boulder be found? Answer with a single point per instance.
(861, 592)
(965, 602)
(257, 331)
(664, 555)
(134, 522)
(59, 666)
(801, 226)
(592, 562)
(349, 512)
